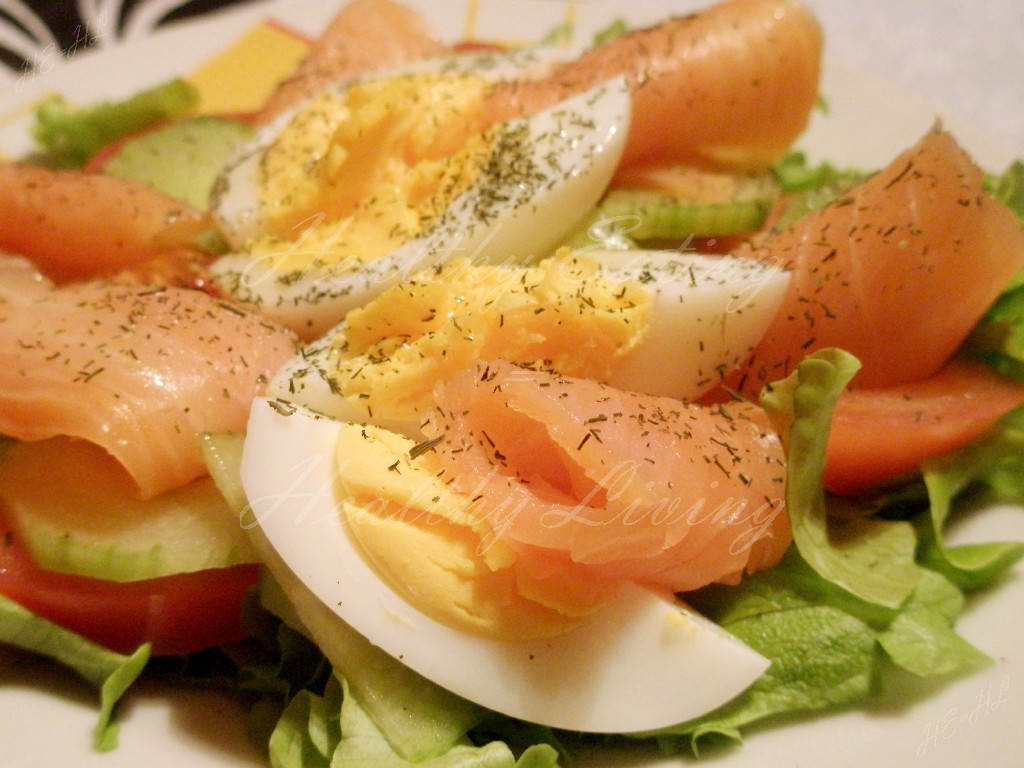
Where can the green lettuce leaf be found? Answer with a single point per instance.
(872, 559)
(810, 187)
(309, 730)
(419, 718)
(1008, 187)
(68, 137)
(363, 745)
(993, 469)
(828, 648)
(112, 673)
(921, 638)
(333, 730)
(821, 656)
(998, 338)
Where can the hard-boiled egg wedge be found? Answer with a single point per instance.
(661, 323)
(240, 208)
(378, 179)
(634, 661)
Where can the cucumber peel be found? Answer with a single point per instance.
(679, 203)
(181, 159)
(650, 215)
(77, 511)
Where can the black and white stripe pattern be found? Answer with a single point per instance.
(34, 34)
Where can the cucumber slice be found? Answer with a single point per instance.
(182, 159)
(77, 511)
(222, 452)
(677, 203)
(647, 215)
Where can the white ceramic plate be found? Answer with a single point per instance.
(46, 718)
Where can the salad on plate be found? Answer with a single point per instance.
(534, 395)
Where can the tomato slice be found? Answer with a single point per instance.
(881, 435)
(478, 46)
(177, 614)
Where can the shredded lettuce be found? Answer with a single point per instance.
(67, 137)
(808, 187)
(111, 673)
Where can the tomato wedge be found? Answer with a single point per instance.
(177, 614)
(880, 435)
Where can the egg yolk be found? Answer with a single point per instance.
(355, 174)
(426, 541)
(561, 314)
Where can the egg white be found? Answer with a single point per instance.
(574, 146)
(707, 315)
(642, 662)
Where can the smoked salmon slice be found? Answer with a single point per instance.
(75, 226)
(139, 371)
(732, 86)
(897, 272)
(364, 36)
(635, 487)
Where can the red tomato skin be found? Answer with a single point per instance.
(178, 614)
(880, 436)
(478, 46)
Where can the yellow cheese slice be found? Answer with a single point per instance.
(242, 77)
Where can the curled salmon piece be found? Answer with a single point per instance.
(897, 271)
(731, 86)
(365, 35)
(635, 487)
(75, 225)
(139, 371)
